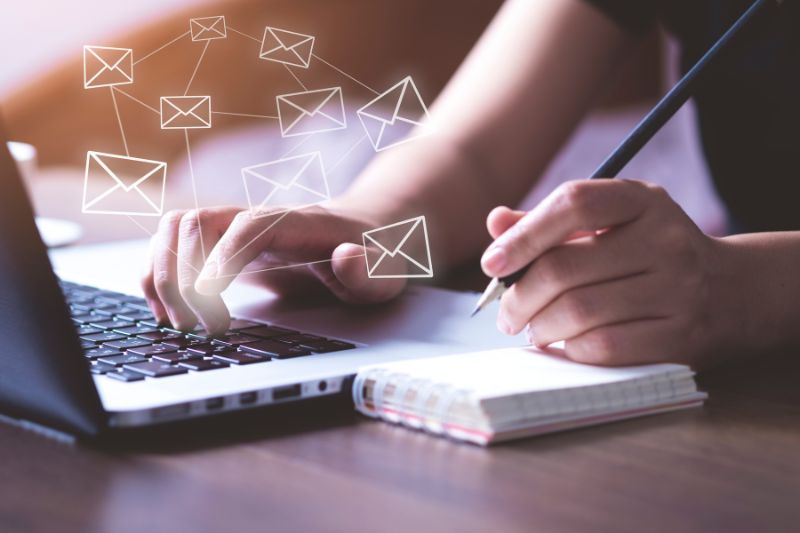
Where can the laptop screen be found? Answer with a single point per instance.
(43, 375)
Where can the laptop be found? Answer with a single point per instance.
(87, 361)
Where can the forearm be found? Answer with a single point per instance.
(498, 123)
(762, 273)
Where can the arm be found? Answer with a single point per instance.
(498, 123)
(502, 117)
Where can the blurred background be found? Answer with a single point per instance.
(377, 42)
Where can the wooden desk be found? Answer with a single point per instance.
(731, 466)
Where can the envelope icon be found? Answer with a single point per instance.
(185, 112)
(208, 28)
(286, 184)
(287, 47)
(390, 118)
(122, 185)
(310, 112)
(404, 250)
(104, 66)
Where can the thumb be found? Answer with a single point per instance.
(348, 278)
(500, 219)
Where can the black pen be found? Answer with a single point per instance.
(644, 131)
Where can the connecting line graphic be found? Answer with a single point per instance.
(173, 252)
(176, 39)
(295, 147)
(295, 77)
(119, 120)
(234, 30)
(347, 153)
(249, 115)
(196, 68)
(340, 71)
(194, 193)
(153, 109)
(284, 267)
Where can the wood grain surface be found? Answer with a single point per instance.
(733, 465)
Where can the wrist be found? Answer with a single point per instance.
(764, 290)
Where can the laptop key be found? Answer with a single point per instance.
(208, 349)
(159, 336)
(113, 323)
(83, 319)
(150, 351)
(135, 331)
(201, 365)
(101, 352)
(87, 345)
(183, 343)
(176, 357)
(125, 344)
(126, 376)
(84, 329)
(97, 368)
(267, 332)
(272, 348)
(155, 369)
(122, 359)
(239, 358)
(105, 336)
(135, 314)
(234, 339)
(108, 309)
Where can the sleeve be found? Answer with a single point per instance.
(633, 15)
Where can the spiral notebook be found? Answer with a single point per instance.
(498, 395)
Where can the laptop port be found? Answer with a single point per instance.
(283, 393)
(248, 398)
(215, 403)
(322, 386)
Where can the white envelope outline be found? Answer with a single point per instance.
(275, 39)
(207, 28)
(158, 168)
(123, 66)
(259, 172)
(171, 104)
(373, 114)
(336, 123)
(372, 238)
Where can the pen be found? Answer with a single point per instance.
(644, 131)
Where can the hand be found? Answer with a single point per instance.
(182, 289)
(621, 274)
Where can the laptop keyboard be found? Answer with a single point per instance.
(122, 340)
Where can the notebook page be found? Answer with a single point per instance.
(510, 371)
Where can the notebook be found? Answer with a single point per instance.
(499, 395)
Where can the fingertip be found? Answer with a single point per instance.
(349, 266)
(500, 219)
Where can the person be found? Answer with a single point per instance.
(622, 274)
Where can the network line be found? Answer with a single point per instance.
(176, 39)
(119, 120)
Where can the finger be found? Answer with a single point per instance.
(349, 265)
(196, 235)
(581, 262)
(636, 342)
(149, 288)
(249, 237)
(583, 309)
(500, 219)
(587, 205)
(165, 272)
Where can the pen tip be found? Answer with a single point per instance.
(475, 311)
